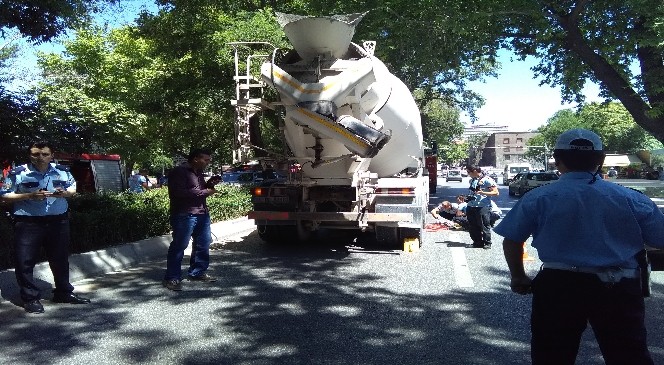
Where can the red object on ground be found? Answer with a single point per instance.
(435, 227)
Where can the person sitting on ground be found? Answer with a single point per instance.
(461, 218)
(446, 210)
(452, 212)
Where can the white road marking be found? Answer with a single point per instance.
(461, 270)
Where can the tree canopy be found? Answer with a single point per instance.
(169, 79)
(42, 20)
(612, 122)
(446, 43)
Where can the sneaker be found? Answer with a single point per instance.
(174, 284)
(33, 306)
(487, 247)
(203, 277)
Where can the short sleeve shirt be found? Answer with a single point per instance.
(136, 183)
(484, 183)
(591, 225)
(27, 179)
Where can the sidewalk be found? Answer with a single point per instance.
(97, 263)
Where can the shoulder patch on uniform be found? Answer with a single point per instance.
(17, 170)
(62, 167)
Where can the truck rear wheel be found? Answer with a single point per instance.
(269, 234)
(283, 234)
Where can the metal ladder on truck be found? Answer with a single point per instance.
(249, 99)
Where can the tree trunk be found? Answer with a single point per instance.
(651, 66)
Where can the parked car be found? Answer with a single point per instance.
(454, 175)
(511, 169)
(526, 181)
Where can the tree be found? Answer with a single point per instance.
(612, 122)
(575, 40)
(617, 128)
(18, 123)
(43, 20)
(440, 123)
(39, 21)
(476, 143)
(196, 26)
(98, 88)
(193, 40)
(579, 40)
(453, 153)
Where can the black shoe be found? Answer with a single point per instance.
(487, 247)
(33, 306)
(174, 284)
(203, 277)
(70, 298)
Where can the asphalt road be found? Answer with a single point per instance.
(336, 302)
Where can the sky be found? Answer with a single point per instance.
(514, 98)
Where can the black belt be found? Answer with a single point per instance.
(41, 218)
(605, 274)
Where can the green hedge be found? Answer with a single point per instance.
(103, 220)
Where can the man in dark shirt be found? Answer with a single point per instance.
(190, 218)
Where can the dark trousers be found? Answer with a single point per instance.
(564, 302)
(29, 237)
(448, 216)
(462, 221)
(479, 225)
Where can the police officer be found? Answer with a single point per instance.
(39, 192)
(478, 210)
(588, 233)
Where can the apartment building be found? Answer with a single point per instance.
(505, 147)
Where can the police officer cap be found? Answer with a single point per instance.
(580, 140)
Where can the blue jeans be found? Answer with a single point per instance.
(187, 226)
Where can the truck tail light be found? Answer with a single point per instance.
(268, 191)
(396, 191)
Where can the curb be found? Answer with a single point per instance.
(96, 263)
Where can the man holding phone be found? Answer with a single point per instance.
(39, 191)
(190, 218)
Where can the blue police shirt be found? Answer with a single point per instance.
(484, 183)
(588, 225)
(27, 179)
(136, 183)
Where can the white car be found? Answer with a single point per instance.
(526, 181)
(454, 175)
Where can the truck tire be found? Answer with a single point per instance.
(269, 234)
(388, 237)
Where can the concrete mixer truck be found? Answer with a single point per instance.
(355, 156)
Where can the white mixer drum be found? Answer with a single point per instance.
(402, 119)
